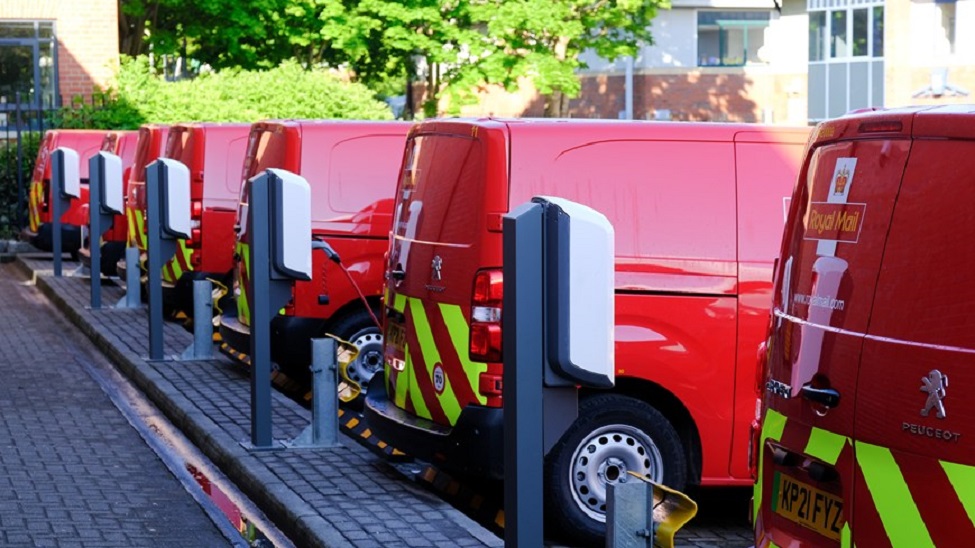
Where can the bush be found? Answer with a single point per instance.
(227, 96)
(30, 142)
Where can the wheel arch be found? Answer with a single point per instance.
(672, 409)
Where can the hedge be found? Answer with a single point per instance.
(227, 96)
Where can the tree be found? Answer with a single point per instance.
(543, 40)
(385, 41)
(246, 34)
(466, 44)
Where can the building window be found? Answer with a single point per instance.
(28, 63)
(730, 38)
(846, 32)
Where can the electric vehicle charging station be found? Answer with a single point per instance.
(279, 228)
(168, 219)
(66, 179)
(557, 330)
(105, 199)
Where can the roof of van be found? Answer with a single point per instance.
(940, 122)
(635, 129)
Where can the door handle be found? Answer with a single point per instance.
(397, 273)
(827, 397)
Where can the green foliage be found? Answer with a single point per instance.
(30, 142)
(287, 91)
(466, 44)
(249, 34)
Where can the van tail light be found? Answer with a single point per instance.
(883, 126)
(196, 259)
(486, 302)
(196, 209)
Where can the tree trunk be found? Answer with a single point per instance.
(557, 105)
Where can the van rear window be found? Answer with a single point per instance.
(445, 174)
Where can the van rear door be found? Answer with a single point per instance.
(447, 199)
(831, 256)
(915, 449)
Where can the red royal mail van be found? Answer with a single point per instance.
(696, 210)
(123, 145)
(214, 154)
(38, 232)
(150, 146)
(351, 168)
(870, 367)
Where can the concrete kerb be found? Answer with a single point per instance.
(293, 515)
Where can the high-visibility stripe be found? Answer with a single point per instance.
(243, 280)
(825, 445)
(892, 497)
(399, 303)
(416, 396)
(962, 478)
(431, 358)
(846, 539)
(772, 426)
(130, 227)
(459, 330)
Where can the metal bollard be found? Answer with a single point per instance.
(202, 347)
(323, 432)
(132, 298)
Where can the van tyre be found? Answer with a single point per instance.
(613, 435)
(359, 329)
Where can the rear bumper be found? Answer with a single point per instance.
(43, 239)
(290, 340)
(473, 446)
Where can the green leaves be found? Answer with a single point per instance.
(232, 95)
(455, 46)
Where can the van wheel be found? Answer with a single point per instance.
(614, 435)
(359, 329)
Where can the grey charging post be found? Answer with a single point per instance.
(557, 329)
(168, 219)
(66, 184)
(105, 199)
(278, 227)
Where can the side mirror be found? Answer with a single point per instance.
(113, 198)
(70, 186)
(290, 218)
(580, 259)
(175, 193)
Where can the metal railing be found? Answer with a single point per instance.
(24, 118)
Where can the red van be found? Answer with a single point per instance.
(151, 145)
(123, 145)
(38, 232)
(214, 154)
(351, 167)
(696, 210)
(864, 440)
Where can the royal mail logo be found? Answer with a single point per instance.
(842, 178)
(834, 222)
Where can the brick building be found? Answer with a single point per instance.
(778, 61)
(54, 50)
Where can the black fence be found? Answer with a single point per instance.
(22, 125)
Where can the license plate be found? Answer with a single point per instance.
(395, 335)
(802, 503)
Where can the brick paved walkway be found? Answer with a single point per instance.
(338, 497)
(73, 472)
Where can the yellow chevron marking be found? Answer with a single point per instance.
(892, 497)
